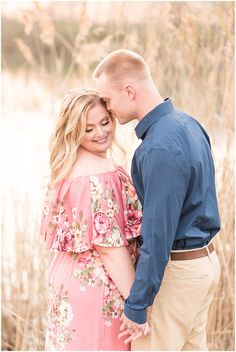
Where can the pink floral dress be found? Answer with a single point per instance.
(84, 303)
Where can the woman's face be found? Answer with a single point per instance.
(99, 131)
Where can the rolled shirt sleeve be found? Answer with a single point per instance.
(164, 176)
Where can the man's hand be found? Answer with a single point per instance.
(128, 327)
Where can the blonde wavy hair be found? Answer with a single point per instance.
(70, 129)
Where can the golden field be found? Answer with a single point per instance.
(50, 47)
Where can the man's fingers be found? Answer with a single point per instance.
(124, 333)
(133, 329)
(129, 339)
(147, 329)
(137, 336)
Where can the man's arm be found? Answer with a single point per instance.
(165, 177)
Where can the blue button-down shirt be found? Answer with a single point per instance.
(173, 173)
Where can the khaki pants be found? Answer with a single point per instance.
(178, 316)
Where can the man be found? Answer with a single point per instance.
(173, 173)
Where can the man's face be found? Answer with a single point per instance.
(116, 99)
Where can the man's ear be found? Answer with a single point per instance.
(130, 91)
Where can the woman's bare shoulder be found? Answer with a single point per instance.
(90, 164)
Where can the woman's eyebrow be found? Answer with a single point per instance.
(105, 117)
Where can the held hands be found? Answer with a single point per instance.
(128, 327)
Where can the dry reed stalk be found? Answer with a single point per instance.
(25, 51)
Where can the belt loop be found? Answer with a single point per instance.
(208, 253)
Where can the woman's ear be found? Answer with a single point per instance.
(130, 91)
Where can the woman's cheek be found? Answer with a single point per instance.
(111, 127)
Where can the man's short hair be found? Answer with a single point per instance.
(123, 64)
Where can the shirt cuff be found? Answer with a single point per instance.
(138, 316)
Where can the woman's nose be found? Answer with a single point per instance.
(100, 132)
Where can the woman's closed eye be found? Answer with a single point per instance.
(103, 124)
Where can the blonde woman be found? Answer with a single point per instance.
(91, 220)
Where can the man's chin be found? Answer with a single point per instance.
(124, 121)
(121, 122)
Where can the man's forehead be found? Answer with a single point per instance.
(103, 82)
(105, 92)
(108, 89)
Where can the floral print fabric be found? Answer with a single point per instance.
(84, 303)
(60, 316)
(88, 210)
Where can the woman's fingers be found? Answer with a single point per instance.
(123, 327)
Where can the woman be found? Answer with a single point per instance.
(91, 220)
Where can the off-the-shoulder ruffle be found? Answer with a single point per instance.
(80, 213)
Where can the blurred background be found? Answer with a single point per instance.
(49, 47)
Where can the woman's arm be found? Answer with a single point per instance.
(119, 266)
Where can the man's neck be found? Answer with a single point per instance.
(151, 101)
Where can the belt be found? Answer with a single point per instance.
(192, 254)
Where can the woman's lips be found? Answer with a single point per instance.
(101, 141)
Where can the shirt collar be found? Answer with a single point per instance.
(159, 111)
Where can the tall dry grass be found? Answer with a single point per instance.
(190, 48)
